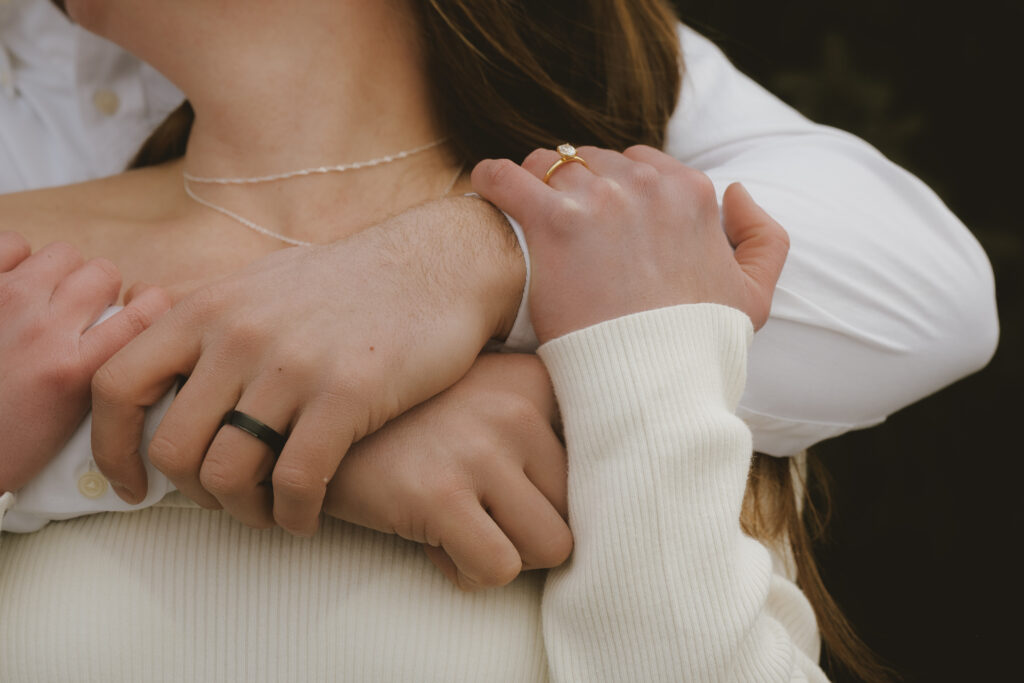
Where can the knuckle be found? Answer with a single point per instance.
(537, 158)
(242, 333)
(297, 484)
(108, 385)
(701, 187)
(644, 178)
(135, 320)
(451, 487)
(106, 270)
(205, 303)
(781, 237)
(349, 387)
(299, 362)
(14, 244)
(498, 172)
(566, 214)
(522, 413)
(641, 149)
(554, 549)
(218, 477)
(63, 251)
(167, 457)
(500, 572)
(606, 193)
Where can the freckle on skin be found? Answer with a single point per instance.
(280, 369)
(371, 348)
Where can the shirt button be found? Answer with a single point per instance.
(106, 102)
(92, 485)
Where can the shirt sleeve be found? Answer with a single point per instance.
(7, 500)
(886, 297)
(71, 485)
(662, 584)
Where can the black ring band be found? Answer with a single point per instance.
(250, 425)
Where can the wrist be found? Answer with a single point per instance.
(495, 267)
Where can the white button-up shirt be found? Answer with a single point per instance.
(73, 106)
(885, 298)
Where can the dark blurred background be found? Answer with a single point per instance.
(922, 551)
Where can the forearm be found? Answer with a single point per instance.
(470, 252)
(663, 585)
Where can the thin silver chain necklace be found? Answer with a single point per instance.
(189, 179)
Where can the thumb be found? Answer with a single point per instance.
(104, 340)
(760, 244)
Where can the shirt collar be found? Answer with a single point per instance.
(37, 38)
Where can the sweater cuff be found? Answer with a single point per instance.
(610, 375)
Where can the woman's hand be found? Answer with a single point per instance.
(635, 231)
(324, 344)
(49, 348)
(476, 474)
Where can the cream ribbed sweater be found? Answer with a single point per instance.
(662, 584)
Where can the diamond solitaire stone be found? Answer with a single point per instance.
(566, 150)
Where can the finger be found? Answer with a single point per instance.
(177, 291)
(546, 469)
(664, 163)
(484, 557)
(541, 163)
(51, 264)
(444, 562)
(104, 340)
(530, 522)
(87, 291)
(761, 245)
(135, 378)
(600, 162)
(13, 250)
(189, 427)
(513, 189)
(135, 290)
(238, 466)
(322, 435)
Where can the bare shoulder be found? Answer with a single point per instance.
(72, 212)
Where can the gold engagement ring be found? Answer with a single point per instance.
(569, 155)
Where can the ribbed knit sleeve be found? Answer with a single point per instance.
(662, 584)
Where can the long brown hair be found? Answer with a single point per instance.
(510, 76)
(514, 75)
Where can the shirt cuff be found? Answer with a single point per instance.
(7, 501)
(522, 338)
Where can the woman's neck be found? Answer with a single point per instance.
(346, 86)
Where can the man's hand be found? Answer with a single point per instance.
(49, 348)
(476, 474)
(324, 344)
